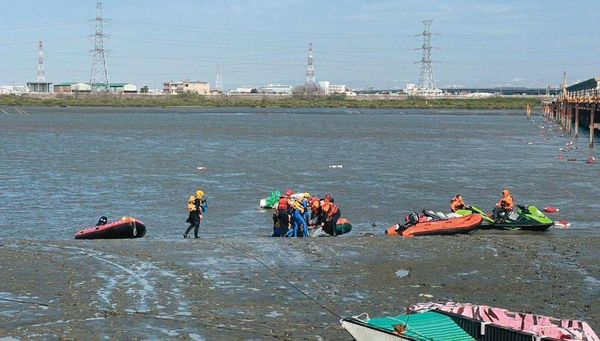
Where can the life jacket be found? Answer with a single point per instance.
(190, 205)
(507, 202)
(298, 206)
(193, 200)
(456, 204)
(284, 204)
(315, 205)
(330, 209)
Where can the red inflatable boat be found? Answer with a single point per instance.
(447, 226)
(124, 228)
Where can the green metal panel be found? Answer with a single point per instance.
(425, 326)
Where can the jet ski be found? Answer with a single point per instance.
(528, 218)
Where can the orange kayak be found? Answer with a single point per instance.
(449, 226)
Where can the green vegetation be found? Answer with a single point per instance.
(272, 102)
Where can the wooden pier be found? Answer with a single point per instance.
(576, 106)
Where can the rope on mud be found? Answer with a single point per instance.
(23, 302)
(281, 278)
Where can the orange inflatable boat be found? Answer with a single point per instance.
(447, 226)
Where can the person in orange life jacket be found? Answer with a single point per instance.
(332, 215)
(284, 207)
(457, 203)
(196, 208)
(504, 206)
(315, 212)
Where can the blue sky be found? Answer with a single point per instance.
(357, 43)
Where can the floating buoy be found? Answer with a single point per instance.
(529, 142)
(201, 168)
(336, 166)
(551, 209)
(563, 224)
(590, 160)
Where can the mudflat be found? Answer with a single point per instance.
(266, 288)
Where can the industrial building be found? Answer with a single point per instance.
(326, 88)
(38, 87)
(275, 89)
(198, 87)
(123, 88)
(79, 87)
(72, 87)
(12, 89)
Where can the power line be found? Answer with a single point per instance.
(41, 77)
(99, 74)
(426, 81)
(219, 80)
(310, 68)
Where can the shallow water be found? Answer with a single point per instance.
(62, 168)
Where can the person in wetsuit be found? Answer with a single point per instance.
(196, 205)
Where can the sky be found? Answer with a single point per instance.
(357, 43)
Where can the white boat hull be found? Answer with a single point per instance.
(362, 332)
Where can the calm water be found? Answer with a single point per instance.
(62, 168)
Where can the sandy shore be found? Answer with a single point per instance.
(247, 289)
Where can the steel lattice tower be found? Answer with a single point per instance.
(426, 75)
(99, 74)
(41, 77)
(219, 81)
(564, 83)
(310, 70)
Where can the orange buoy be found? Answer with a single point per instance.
(551, 209)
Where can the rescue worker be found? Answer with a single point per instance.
(196, 206)
(299, 225)
(504, 206)
(457, 203)
(276, 227)
(332, 214)
(315, 212)
(305, 204)
(283, 213)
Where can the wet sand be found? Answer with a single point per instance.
(246, 288)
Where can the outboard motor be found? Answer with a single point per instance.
(411, 219)
(102, 221)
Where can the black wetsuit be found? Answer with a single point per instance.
(194, 218)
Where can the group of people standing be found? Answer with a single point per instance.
(294, 215)
(505, 205)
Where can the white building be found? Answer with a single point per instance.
(413, 90)
(324, 87)
(410, 89)
(198, 87)
(337, 89)
(241, 91)
(12, 90)
(276, 89)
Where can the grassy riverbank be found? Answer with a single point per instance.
(275, 102)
